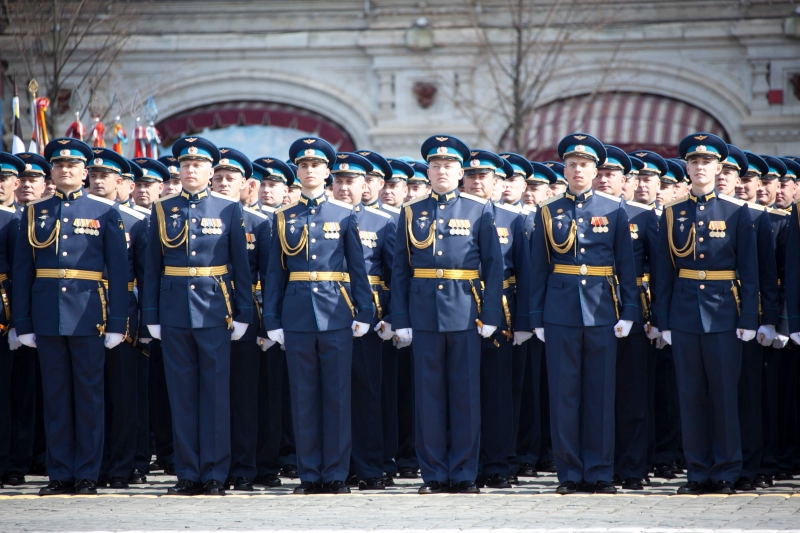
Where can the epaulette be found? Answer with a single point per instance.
(513, 208)
(378, 212)
(675, 202)
(640, 206)
(132, 212)
(218, 195)
(8, 209)
(526, 210)
(779, 212)
(340, 204)
(552, 199)
(731, 199)
(42, 199)
(285, 207)
(167, 197)
(756, 207)
(604, 195)
(99, 199)
(268, 209)
(255, 212)
(143, 210)
(391, 209)
(473, 198)
(417, 199)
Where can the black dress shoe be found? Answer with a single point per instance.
(632, 484)
(55, 488)
(117, 483)
(86, 486)
(546, 466)
(13, 479)
(242, 483)
(406, 472)
(763, 481)
(268, 480)
(352, 481)
(169, 470)
(567, 487)
(289, 471)
(527, 470)
(307, 487)
(513, 479)
(137, 477)
(372, 483)
(468, 487)
(388, 479)
(498, 481)
(692, 488)
(601, 487)
(744, 485)
(615, 480)
(432, 487)
(783, 476)
(646, 480)
(723, 487)
(186, 488)
(664, 471)
(337, 487)
(156, 466)
(214, 488)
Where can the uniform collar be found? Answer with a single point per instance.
(788, 209)
(445, 197)
(374, 205)
(194, 197)
(579, 198)
(702, 199)
(256, 206)
(74, 195)
(312, 202)
(358, 207)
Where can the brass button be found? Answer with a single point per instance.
(313, 240)
(700, 239)
(439, 273)
(702, 256)
(441, 221)
(313, 211)
(702, 287)
(701, 274)
(441, 287)
(702, 207)
(313, 224)
(193, 206)
(63, 236)
(439, 252)
(580, 220)
(194, 236)
(580, 205)
(315, 289)
(66, 204)
(700, 223)
(583, 282)
(441, 207)
(441, 237)
(62, 273)
(191, 287)
(66, 220)
(194, 253)
(313, 257)
(194, 220)
(64, 254)
(63, 289)
(312, 276)
(583, 250)
(584, 269)
(581, 235)
(192, 271)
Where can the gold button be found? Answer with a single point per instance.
(313, 211)
(700, 223)
(439, 273)
(700, 239)
(581, 235)
(191, 287)
(62, 273)
(583, 282)
(702, 256)
(580, 220)
(194, 220)
(66, 220)
(441, 287)
(64, 254)
(64, 237)
(63, 289)
(702, 287)
(315, 289)
(194, 253)
(701, 274)
(439, 252)
(193, 206)
(312, 276)
(441, 221)
(441, 237)
(584, 269)
(313, 224)
(702, 207)
(313, 257)
(66, 204)
(313, 240)
(194, 236)
(580, 205)
(192, 271)
(583, 250)
(441, 207)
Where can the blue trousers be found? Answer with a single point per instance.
(707, 369)
(667, 413)
(144, 445)
(320, 371)
(779, 409)
(526, 428)
(750, 419)
(120, 411)
(447, 378)
(246, 359)
(270, 410)
(632, 405)
(389, 414)
(197, 367)
(497, 405)
(406, 456)
(159, 407)
(581, 368)
(6, 364)
(72, 387)
(366, 406)
(22, 393)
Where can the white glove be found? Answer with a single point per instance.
(521, 336)
(265, 344)
(660, 343)
(795, 337)
(766, 334)
(746, 334)
(155, 331)
(651, 332)
(667, 336)
(29, 339)
(13, 341)
(486, 331)
(385, 334)
(623, 328)
(780, 341)
(276, 335)
(403, 337)
(113, 340)
(359, 328)
(539, 333)
(239, 328)
(145, 340)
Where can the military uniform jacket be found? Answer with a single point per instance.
(643, 222)
(258, 233)
(388, 209)
(439, 232)
(196, 231)
(510, 223)
(769, 300)
(590, 230)
(713, 233)
(378, 231)
(9, 224)
(793, 267)
(314, 236)
(64, 232)
(136, 227)
(779, 220)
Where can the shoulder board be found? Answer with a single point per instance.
(39, 200)
(417, 199)
(131, 212)
(513, 208)
(143, 210)
(218, 195)
(604, 195)
(391, 209)
(268, 209)
(779, 212)
(167, 197)
(640, 206)
(473, 198)
(552, 199)
(676, 202)
(285, 207)
(526, 210)
(340, 204)
(255, 212)
(377, 212)
(8, 209)
(756, 207)
(731, 199)
(98, 199)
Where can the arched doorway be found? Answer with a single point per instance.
(631, 121)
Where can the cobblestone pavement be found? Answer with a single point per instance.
(533, 506)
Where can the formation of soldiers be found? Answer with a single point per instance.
(347, 319)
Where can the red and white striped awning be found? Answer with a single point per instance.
(631, 121)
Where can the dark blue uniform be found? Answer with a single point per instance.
(7, 223)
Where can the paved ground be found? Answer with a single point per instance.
(531, 507)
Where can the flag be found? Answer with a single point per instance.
(17, 144)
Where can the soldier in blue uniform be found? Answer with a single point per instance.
(706, 305)
(418, 184)
(196, 305)
(443, 239)
(576, 306)
(559, 186)
(68, 241)
(308, 309)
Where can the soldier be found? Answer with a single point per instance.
(273, 183)
(768, 188)
(704, 242)
(537, 187)
(667, 188)
(559, 186)
(443, 239)
(418, 184)
(63, 268)
(631, 182)
(318, 331)
(147, 189)
(293, 193)
(194, 241)
(125, 187)
(173, 184)
(395, 191)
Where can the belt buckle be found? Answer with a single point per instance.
(312, 276)
(62, 273)
(192, 271)
(584, 270)
(439, 273)
(701, 274)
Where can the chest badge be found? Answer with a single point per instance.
(43, 217)
(600, 224)
(634, 231)
(85, 226)
(331, 230)
(459, 226)
(717, 228)
(175, 218)
(502, 233)
(368, 238)
(211, 226)
(251, 241)
(422, 220)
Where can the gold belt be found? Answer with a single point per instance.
(375, 280)
(195, 271)
(512, 280)
(65, 273)
(711, 275)
(256, 287)
(319, 276)
(4, 277)
(644, 279)
(130, 285)
(583, 270)
(433, 273)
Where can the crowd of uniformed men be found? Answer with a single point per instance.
(347, 319)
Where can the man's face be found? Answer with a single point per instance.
(349, 188)
(647, 188)
(372, 188)
(681, 190)
(748, 186)
(292, 195)
(8, 183)
(727, 180)
(394, 193)
(666, 193)
(195, 174)
(513, 189)
(609, 181)
(785, 195)
(312, 174)
(579, 171)
(535, 193)
(768, 191)
(172, 186)
(249, 194)
(416, 189)
(104, 184)
(271, 192)
(557, 188)
(703, 171)
(125, 189)
(480, 184)
(68, 174)
(629, 187)
(444, 174)
(228, 183)
(797, 193)
(49, 187)
(146, 192)
(30, 188)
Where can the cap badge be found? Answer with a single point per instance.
(98, 161)
(224, 160)
(223, 150)
(309, 151)
(65, 152)
(144, 172)
(98, 151)
(505, 156)
(173, 169)
(308, 141)
(548, 165)
(700, 137)
(192, 150)
(267, 161)
(28, 166)
(475, 163)
(65, 141)
(441, 150)
(579, 137)
(579, 148)
(341, 156)
(441, 139)
(701, 148)
(641, 154)
(140, 161)
(363, 154)
(190, 139)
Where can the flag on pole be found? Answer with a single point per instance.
(17, 144)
